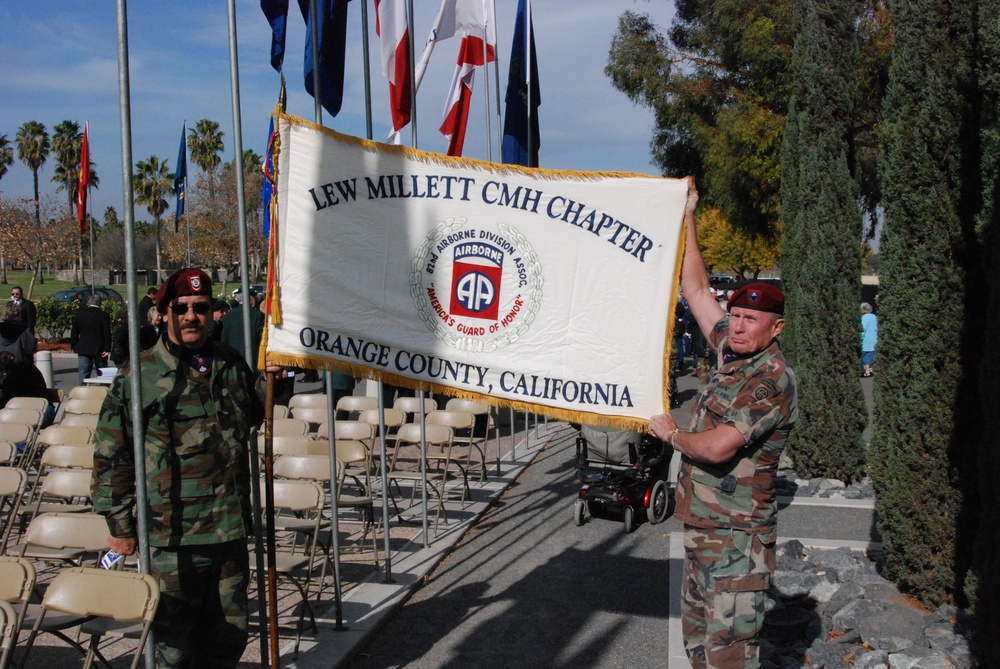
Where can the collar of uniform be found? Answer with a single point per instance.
(751, 363)
(169, 354)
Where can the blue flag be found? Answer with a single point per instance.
(332, 18)
(276, 12)
(267, 189)
(180, 176)
(515, 150)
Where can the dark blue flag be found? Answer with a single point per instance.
(515, 149)
(180, 176)
(267, 189)
(332, 19)
(276, 12)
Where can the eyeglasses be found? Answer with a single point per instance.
(15, 294)
(200, 308)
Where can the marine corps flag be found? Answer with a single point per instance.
(545, 290)
(84, 182)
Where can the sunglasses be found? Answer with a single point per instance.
(200, 308)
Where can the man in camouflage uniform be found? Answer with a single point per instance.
(199, 403)
(725, 489)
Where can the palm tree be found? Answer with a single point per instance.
(67, 143)
(205, 143)
(32, 150)
(152, 181)
(6, 155)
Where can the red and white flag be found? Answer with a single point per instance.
(394, 35)
(84, 182)
(473, 19)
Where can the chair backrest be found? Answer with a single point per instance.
(73, 435)
(13, 482)
(478, 409)
(66, 456)
(15, 432)
(35, 403)
(457, 420)
(31, 417)
(411, 405)
(393, 417)
(310, 414)
(286, 444)
(88, 391)
(351, 451)
(17, 582)
(85, 531)
(84, 405)
(348, 429)
(81, 419)
(67, 484)
(8, 450)
(308, 467)
(88, 591)
(433, 434)
(9, 628)
(356, 403)
(288, 426)
(280, 411)
(307, 400)
(299, 495)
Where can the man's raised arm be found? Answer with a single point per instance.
(694, 274)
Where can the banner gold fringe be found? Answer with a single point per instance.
(360, 371)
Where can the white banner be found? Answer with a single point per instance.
(544, 290)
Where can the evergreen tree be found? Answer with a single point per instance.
(918, 441)
(821, 265)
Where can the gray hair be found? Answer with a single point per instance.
(95, 300)
(866, 308)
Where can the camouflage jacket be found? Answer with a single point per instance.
(197, 429)
(757, 396)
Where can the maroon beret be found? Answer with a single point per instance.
(183, 282)
(758, 296)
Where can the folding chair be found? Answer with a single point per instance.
(82, 405)
(438, 439)
(462, 424)
(88, 391)
(17, 582)
(8, 632)
(122, 597)
(411, 407)
(310, 414)
(13, 482)
(81, 419)
(67, 537)
(353, 452)
(286, 444)
(348, 429)
(317, 400)
(289, 426)
(36, 403)
(350, 406)
(308, 499)
(60, 491)
(57, 435)
(8, 452)
(280, 411)
(479, 434)
(24, 416)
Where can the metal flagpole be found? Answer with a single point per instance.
(527, 78)
(486, 90)
(132, 293)
(234, 76)
(413, 82)
(187, 219)
(496, 78)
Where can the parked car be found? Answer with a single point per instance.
(81, 294)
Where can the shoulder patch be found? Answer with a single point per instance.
(766, 389)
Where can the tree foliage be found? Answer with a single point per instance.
(926, 350)
(6, 155)
(151, 183)
(33, 147)
(823, 279)
(724, 248)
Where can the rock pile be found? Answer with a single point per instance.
(830, 609)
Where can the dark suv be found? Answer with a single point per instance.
(81, 295)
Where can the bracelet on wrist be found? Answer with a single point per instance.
(672, 436)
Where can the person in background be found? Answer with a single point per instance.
(869, 337)
(90, 338)
(150, 333)
(219, 310)
(20, 379)
(726, 494)
(29, 313)
(145, 304)
(15, 337)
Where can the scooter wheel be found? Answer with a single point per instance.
(659, 503)
(579, 512)
(629, 518)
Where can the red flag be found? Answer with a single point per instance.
(81, 193)
(394, 35)
(470, 56)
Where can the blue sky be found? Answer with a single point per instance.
(60, 62)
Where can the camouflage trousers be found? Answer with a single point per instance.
(726, 576)
(202, 617)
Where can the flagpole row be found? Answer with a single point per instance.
(413, 81)
(486, 92)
